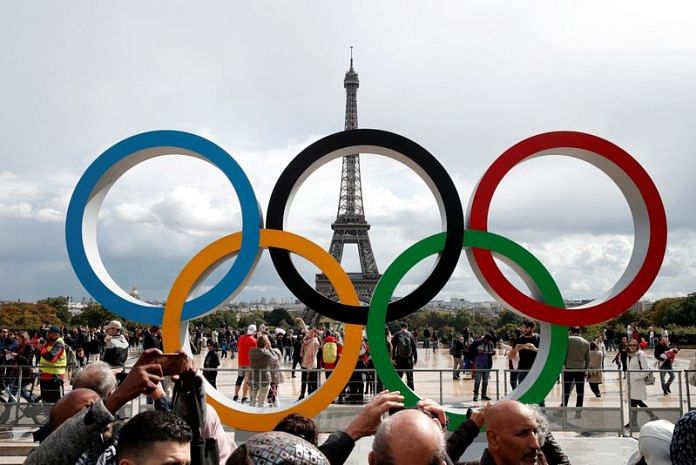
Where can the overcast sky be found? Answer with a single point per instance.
(466, 80)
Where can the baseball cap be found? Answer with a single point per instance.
(114, 324)
(54, 329)
(251, 329)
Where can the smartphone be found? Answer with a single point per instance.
(172, 364)
(469, 411)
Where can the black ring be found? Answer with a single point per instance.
(393, 146)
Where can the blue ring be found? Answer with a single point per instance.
(86, 188)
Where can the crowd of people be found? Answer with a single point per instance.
(94, 360)
(84, 428)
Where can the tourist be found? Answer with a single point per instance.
(288, 346)
(410, 436)
(153, 338)
(22, 374)
(665, 358)
(426, 338)
(259, 366)
(653, 444)
(277, 377)
(245, 344)
(211, 363)
(299, 425)
(577, 358)
(284, 448)
(84, 431)
(296, 349)
(595, 375)
(115, 345)
(330, 353)
(550, 453)
(457, 352)
(483, 362)
(526, 345)
(683, 446)
(637, 362)
(404, 354)
(308, 353)
(153, 438)
(97, 376)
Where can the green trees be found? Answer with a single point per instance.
(94, 316)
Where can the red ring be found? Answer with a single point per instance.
(477, 218)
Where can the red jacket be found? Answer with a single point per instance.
(244, 345)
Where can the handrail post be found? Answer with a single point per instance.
(440, 372)
(621, 401)
(681, 400)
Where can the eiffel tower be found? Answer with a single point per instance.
(350, 226)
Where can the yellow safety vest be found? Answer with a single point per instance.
(57, 367)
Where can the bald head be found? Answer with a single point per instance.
(71, 403)
(511, 429)
(409, 437)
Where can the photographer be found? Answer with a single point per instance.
(85, 431)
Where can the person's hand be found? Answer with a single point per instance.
(142, 379)
(433, 409)
(479, 416)
(369, 418)
(147, 356)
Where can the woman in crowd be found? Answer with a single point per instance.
(260, 359)
(22, 374)
(277, 377)
(212, 361)
(308, 352)
(636, 380)
(594, 376)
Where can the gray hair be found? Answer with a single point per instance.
(96, 376)
(380, 444)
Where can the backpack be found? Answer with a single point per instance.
(329, 352)
(403, 345)
(70, 357)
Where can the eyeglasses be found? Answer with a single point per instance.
(633, 345)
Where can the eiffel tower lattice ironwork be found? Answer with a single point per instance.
(350, 226)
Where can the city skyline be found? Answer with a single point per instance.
(465, 82)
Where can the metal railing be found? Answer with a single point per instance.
(609, 416)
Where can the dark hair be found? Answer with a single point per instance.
(404, 325)
(529, 324)
(575, 329)
(299, 425)
(146, 428)
(593, 345)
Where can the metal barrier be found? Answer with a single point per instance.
(442, 384)
(690, 390)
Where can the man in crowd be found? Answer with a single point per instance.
(404, 353)
(153, 338)
(52, 366)
(483, 359)
(527, 346)
(577, 358)
(115, 345)
(7, 345)
(154, 438)
(414, 437)
(457, 352)
(244, 345)
(83, 431)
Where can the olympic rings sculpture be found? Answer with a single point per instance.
(545, 305)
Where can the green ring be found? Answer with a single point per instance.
(542, 284)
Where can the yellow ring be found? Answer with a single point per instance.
(174, 334)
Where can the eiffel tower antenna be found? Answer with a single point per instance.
(350, 226)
